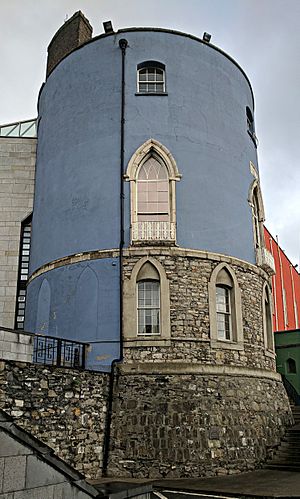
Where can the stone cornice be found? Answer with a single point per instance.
(173, 251)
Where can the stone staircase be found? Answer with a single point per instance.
(287, 456)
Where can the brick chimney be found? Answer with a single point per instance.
(74, 32)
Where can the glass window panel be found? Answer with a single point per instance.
(26, 246)
(25, 252)
(151, 87)
(159, 75)
(143, 87)
(22, 292)
(21, 306)
(159, 87)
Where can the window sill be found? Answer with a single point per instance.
(153, 242)
(161, 94)
(147, 342)
(226, 345)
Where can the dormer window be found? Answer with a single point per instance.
(151, 78)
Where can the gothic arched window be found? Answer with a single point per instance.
(152, 172)
(225, 308)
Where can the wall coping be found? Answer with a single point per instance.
(182, 368)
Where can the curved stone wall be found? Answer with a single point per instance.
(189, 274)
(194, 425)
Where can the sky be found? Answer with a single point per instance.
(263, 36)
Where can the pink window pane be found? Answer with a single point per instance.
(153, 192)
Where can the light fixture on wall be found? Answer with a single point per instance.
(108, 27)
(206, 37)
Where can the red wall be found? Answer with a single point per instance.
(286, 281)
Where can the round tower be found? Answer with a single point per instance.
(148, 244)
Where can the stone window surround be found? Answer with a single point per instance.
(236, 343)
(131, 339)
(268, 338)
(140, 156)
(255, 190)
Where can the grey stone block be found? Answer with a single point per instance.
(14, 473)
(1, 473)
(40, 474)
(67, 491)
(6, 496)
(10, 447)
(39, 493)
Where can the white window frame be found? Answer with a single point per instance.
(154, 82)
(147, 307)
(227, 313)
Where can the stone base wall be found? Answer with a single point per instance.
(64, 408)
(194, 425)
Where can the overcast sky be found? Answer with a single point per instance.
(263, 36)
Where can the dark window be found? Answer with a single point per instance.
(250, 121)
(25, 240)
(291, 366)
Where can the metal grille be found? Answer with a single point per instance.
(59, 352)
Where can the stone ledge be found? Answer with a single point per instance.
(149, 251)
(188, 368)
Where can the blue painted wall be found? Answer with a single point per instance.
(202, 121)
(82, 303)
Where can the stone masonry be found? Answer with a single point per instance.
(64, 408)
(17, 169)
(189, 273)
(194, 425)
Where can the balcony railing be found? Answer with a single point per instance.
(153, 231)
(265, 260)
(50, 350)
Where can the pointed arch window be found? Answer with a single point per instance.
(267, 318)
(147, 305)
(263, 257)
(153, 173)
(225, 311)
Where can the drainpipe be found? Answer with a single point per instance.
(106, 443)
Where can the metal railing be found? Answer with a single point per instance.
(25, 129)
(59, 352)
(153, 231)
(291, 391)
